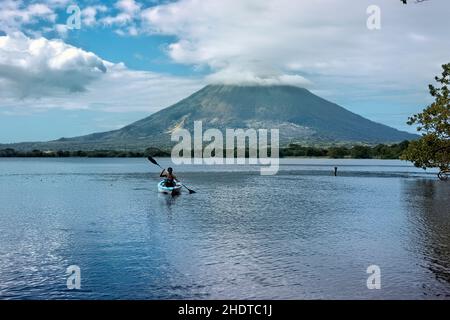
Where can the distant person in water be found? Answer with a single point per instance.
(171, 179)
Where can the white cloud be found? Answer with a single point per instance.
(40, 74)
(38, 67)
(128, 11)
(89, 14)
(119, 19)
(129, 6)
(39, 17)
(15, 13)
(321, 44)
(58, 3)
(325, 41)
(244, 76)
(62, 30)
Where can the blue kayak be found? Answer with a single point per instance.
(169, 190)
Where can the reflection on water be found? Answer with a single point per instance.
(428, 205)
(167, 203)
(300, 234)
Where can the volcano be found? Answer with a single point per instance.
(300, 116)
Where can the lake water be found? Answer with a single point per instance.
(302, 234)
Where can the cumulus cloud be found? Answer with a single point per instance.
(39, 17)
(89, 14)
(127, 13)
(38, 67)
(129, 6)
(325, 41)
(15, 13)
(40, 74)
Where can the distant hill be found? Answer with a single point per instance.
(301, 117)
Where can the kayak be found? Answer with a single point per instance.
(169, 190)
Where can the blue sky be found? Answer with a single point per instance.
(131, 58)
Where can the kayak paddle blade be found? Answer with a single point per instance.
(190, 190)
(152, 160)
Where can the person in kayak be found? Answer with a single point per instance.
(171, 179)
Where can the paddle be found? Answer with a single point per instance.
(156, 163)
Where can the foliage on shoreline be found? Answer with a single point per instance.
(381, 151)
(432, 150)
(83, 154)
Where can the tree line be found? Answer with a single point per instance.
(9, 152)
(381, 151)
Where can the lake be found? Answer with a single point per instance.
(301, 234)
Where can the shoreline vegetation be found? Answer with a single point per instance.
(380, 151)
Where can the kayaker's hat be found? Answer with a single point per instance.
(170, 169)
